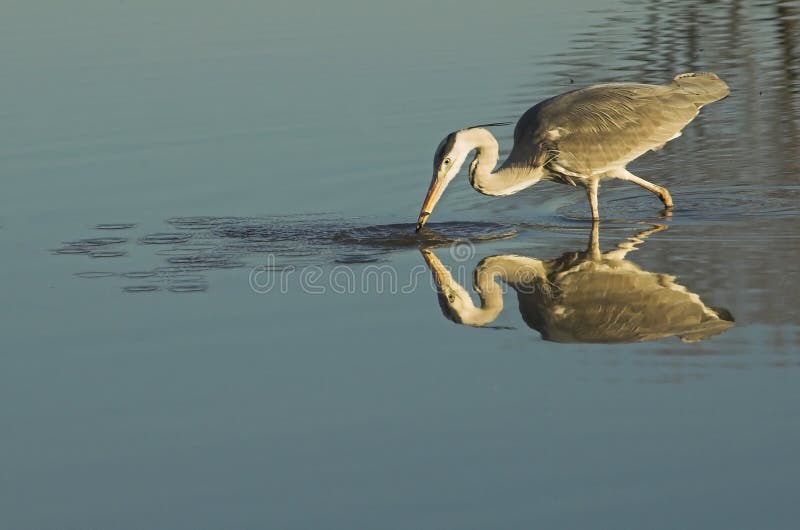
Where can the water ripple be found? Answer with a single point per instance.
(91, 246)
(94, 274)
(140, 288)
(164, 238)
(708, 204)
(114, 226)
(205, 243)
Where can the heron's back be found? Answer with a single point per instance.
(601, 127)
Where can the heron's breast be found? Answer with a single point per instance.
(584, 159)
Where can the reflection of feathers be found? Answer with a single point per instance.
(583, 296)
(616, 301)
(579, 299)
(549, 290)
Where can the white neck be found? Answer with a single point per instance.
(491, 297)
(519, 272)
(511, 177)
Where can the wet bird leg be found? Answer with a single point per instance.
(662, 193)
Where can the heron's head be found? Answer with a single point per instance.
(447, 162)
(450, 156)
(454, 301)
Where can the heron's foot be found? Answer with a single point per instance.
(665, 197)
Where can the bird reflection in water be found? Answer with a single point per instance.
(583, 296)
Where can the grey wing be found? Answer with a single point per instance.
(592, 130)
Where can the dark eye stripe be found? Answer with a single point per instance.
(446, 147)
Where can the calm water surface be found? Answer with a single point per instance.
(162, 163)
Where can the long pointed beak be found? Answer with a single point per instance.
(434, 193)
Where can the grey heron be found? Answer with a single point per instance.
(578, 138)
(586, 296)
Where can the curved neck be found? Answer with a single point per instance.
(490, 294)
(509, 178)
(521, 273)
(456, 303)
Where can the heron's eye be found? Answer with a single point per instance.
(446, 161)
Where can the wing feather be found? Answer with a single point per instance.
(602, 126)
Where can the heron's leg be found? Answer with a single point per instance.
(662, 193)
(591, 191)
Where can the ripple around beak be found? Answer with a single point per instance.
(397, 236)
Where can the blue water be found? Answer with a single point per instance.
(147, 381)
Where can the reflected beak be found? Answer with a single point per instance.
(440, 273)
(434, 193)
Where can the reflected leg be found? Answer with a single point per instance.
(631, 243)
(593, 249)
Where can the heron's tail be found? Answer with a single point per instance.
(702, 87)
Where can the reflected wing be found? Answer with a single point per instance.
(609, 302)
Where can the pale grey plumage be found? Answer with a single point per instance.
(578, 138)
(602, 127)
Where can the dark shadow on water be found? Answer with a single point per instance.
(403, 235)
(195, 245)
